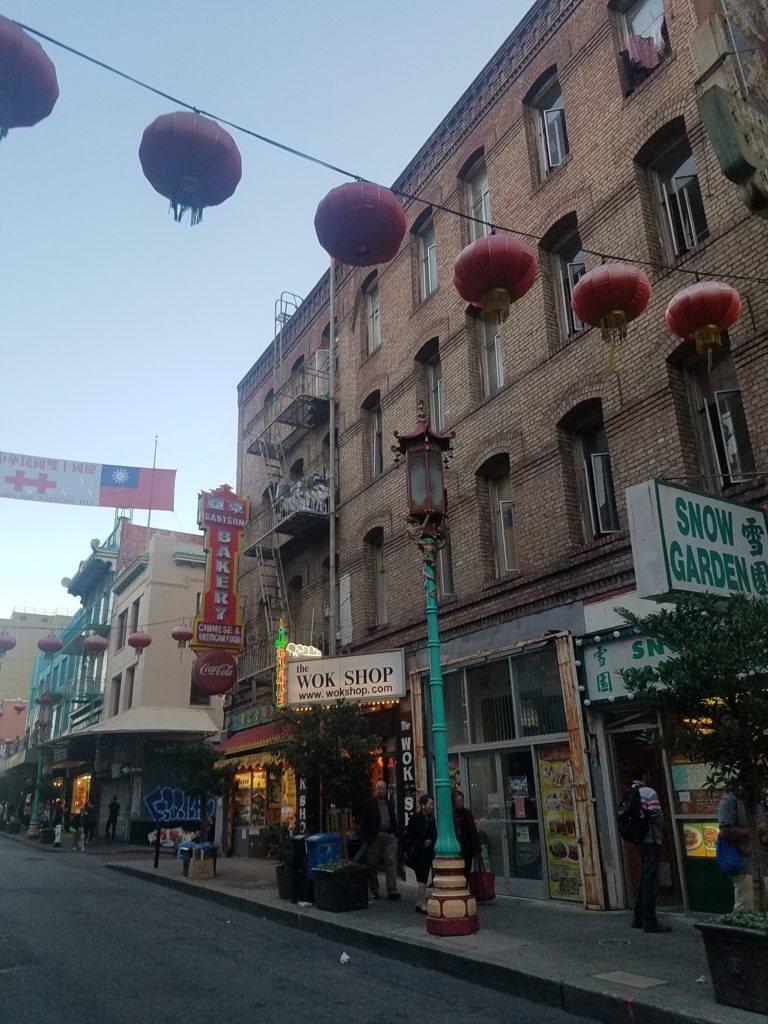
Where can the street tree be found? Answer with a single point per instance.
(199, 777)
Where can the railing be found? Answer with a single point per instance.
(257, 659)
(310, 494)
(311, 381)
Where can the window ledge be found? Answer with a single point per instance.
(501, 581)
(421, 303)
(370, 355)
(607, 540)
(552, 173)
(380, 627)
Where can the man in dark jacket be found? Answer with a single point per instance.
(378, 828)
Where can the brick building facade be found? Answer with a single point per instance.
(584, 142)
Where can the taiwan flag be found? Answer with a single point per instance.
(132, 487)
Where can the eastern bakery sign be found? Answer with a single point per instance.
(362, 677)
(688, 541)
(223, 515)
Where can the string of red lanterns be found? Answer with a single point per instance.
(28, 85)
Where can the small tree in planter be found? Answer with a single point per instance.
(200, 779)
(714, 692)
(330, 749)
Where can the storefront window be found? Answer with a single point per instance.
(539, 694)
(80, 791)
(521, 815)
(491, 714)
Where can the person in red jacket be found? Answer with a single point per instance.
(466, 831)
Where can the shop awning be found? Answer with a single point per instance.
(249, 739)
(149, 719)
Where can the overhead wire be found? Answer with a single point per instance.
(303, 155)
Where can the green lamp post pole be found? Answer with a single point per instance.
(33, 829)
(451, 910)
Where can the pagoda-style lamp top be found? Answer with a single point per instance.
(425, 453)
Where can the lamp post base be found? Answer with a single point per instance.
(33, 830)
(451, 909)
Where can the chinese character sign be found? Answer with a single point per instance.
(223, 515)
(63, 482)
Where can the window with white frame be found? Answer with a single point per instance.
(551, 134)
(681, 209)
(479, 202)
(645, 19)
(493, 368)
(587, 444)
(377, 441)
(435, 383)
(720, 423)
(372, 312)
(502, 513)
(427, 260)
(569, 268)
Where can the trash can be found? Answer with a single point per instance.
(185, 852)
(322, 847)
(302, 889)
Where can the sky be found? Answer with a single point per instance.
(117, 324)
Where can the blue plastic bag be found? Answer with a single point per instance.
(728, 857)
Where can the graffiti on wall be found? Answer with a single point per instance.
(166, 803)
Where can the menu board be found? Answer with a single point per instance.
(691, 793)
(559, 822)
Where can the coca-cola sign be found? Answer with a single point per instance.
(215, 671)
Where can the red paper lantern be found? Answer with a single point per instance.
(494, 272)
(28, 86)
(610, 296)
(702, 311)
(182, 635)
(138, 641)
(360, 224)
(215, 671)
(191, 161)
(7, 643)
(50, 645)
(95, 644)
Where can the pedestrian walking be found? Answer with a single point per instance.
(649, 848)
(466, 831)
(732, 819)
(89, 810)
(113, 815)
(79, 822)
(419, 841)
(378, 827)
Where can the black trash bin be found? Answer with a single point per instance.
(186, 857)
(302, 889)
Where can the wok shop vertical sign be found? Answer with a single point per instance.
(223, 516)
(406, 770)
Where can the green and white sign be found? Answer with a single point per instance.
(605, 656)
(686, 541)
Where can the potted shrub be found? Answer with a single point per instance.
(279, 848)
(714, 697)
(341, 885)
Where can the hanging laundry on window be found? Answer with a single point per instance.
(642, 52)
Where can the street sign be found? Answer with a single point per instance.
(127, 770)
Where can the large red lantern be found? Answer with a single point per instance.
(139, 641)
(191, 161)
(494, 272)
(95, 644)
(50, 645)
(215, 671)
(182, 635)
(360, 224)
(7, 643)
(611, 296)
(702, 312)
(28, 86)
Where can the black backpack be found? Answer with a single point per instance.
(630, 817)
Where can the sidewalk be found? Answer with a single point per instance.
(552, 953)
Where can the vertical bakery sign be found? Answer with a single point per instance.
(559, 821)
(223, 516)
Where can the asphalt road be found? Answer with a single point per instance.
(82, 944)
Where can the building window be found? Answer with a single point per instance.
(495, 473)
(445, 571)
(719, 421)
(374, 443)
(135, 615)
(122, 630)
(592, 465)
(563, 246)
(549, 113)
(375, 542)
(479, 202)
(130, 676)
(435, 381)
(643, 29)
(117, 683)
(198, 697)
(372, 313)
(681, 209)
(427, 260)
(493, 369)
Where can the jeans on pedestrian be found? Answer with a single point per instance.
(382, 851)
(111, 824)
(80, 844)
(645, 901)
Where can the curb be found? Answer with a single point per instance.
(570, 996)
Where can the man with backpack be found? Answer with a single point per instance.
(641, 822)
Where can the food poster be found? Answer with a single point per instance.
(559, 821)
(700, 838)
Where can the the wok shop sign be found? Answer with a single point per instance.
(363, 677)
(686, 541)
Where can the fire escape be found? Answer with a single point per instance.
(295, 503)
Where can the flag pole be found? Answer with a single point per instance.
(152, 484)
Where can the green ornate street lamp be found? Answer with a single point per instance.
(451, 910)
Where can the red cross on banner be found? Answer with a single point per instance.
(20, 481)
